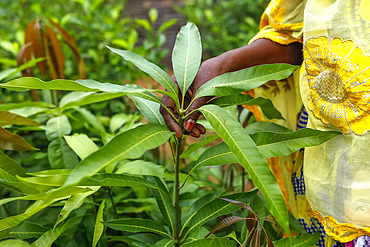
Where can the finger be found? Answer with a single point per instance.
(170, 122)
(195, 132)
(192, 118)
(201, 128)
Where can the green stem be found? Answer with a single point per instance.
(112, 201)
(177, 194)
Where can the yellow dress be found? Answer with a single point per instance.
(334, 86)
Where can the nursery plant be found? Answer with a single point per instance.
(87, 175)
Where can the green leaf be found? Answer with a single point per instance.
(86, 98)
(244, 80)
(81, 144)
(212, 210)
(7, 118)
(243, 147)
(266, 127)
(153, 15)
(57, 127)
(13, 243)
(30, 63)
(210, 242)
(12, 106)
(49, 237)
(149, 109)
(304, 240)
(8, 166)
(74, 202)
(61, 155)
(196, 146)
(117, 180)
(99, 226)
(137, 225)
(28, 83)
(28, 230)
(217, 155)
(127, 145)
(164, 243)
(282, 144)
(151, 69)
(164, 203)
(141, 167)
(266, 105)
(186, 56)
(10, 141)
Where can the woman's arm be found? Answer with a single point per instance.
(261, 51)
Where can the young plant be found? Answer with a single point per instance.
(102, 167)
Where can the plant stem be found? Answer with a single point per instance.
(177, 194)
(112, 201)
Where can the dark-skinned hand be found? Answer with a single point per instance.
(207, 71)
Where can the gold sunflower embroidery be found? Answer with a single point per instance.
(338, 74)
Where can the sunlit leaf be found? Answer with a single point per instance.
(81, 144)
(127, 145)
(186, 56)
(243, 147)
(99, 226)
(151, 69)
(244, 80)
(27, 83)
(13, 243)
(141, 167)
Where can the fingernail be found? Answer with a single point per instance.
(189, 125)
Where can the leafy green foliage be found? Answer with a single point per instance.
(105, 179)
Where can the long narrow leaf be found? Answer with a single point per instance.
(49, 237)
(127, 145)
(281, 144)
(7, 118)
(137, 225)
(304, 240)
(186, 56)
(164, 203)
(10, 141)
(212, 210)
(99, 226)
(210, 242)
(266, 105)
(251, 159)
(149, 109)
(28, 83)
(244, 80)
(151, 69)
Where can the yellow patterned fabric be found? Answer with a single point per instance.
(335, 88)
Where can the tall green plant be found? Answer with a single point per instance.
(119, 162)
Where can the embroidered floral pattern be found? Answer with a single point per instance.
(338, 74)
